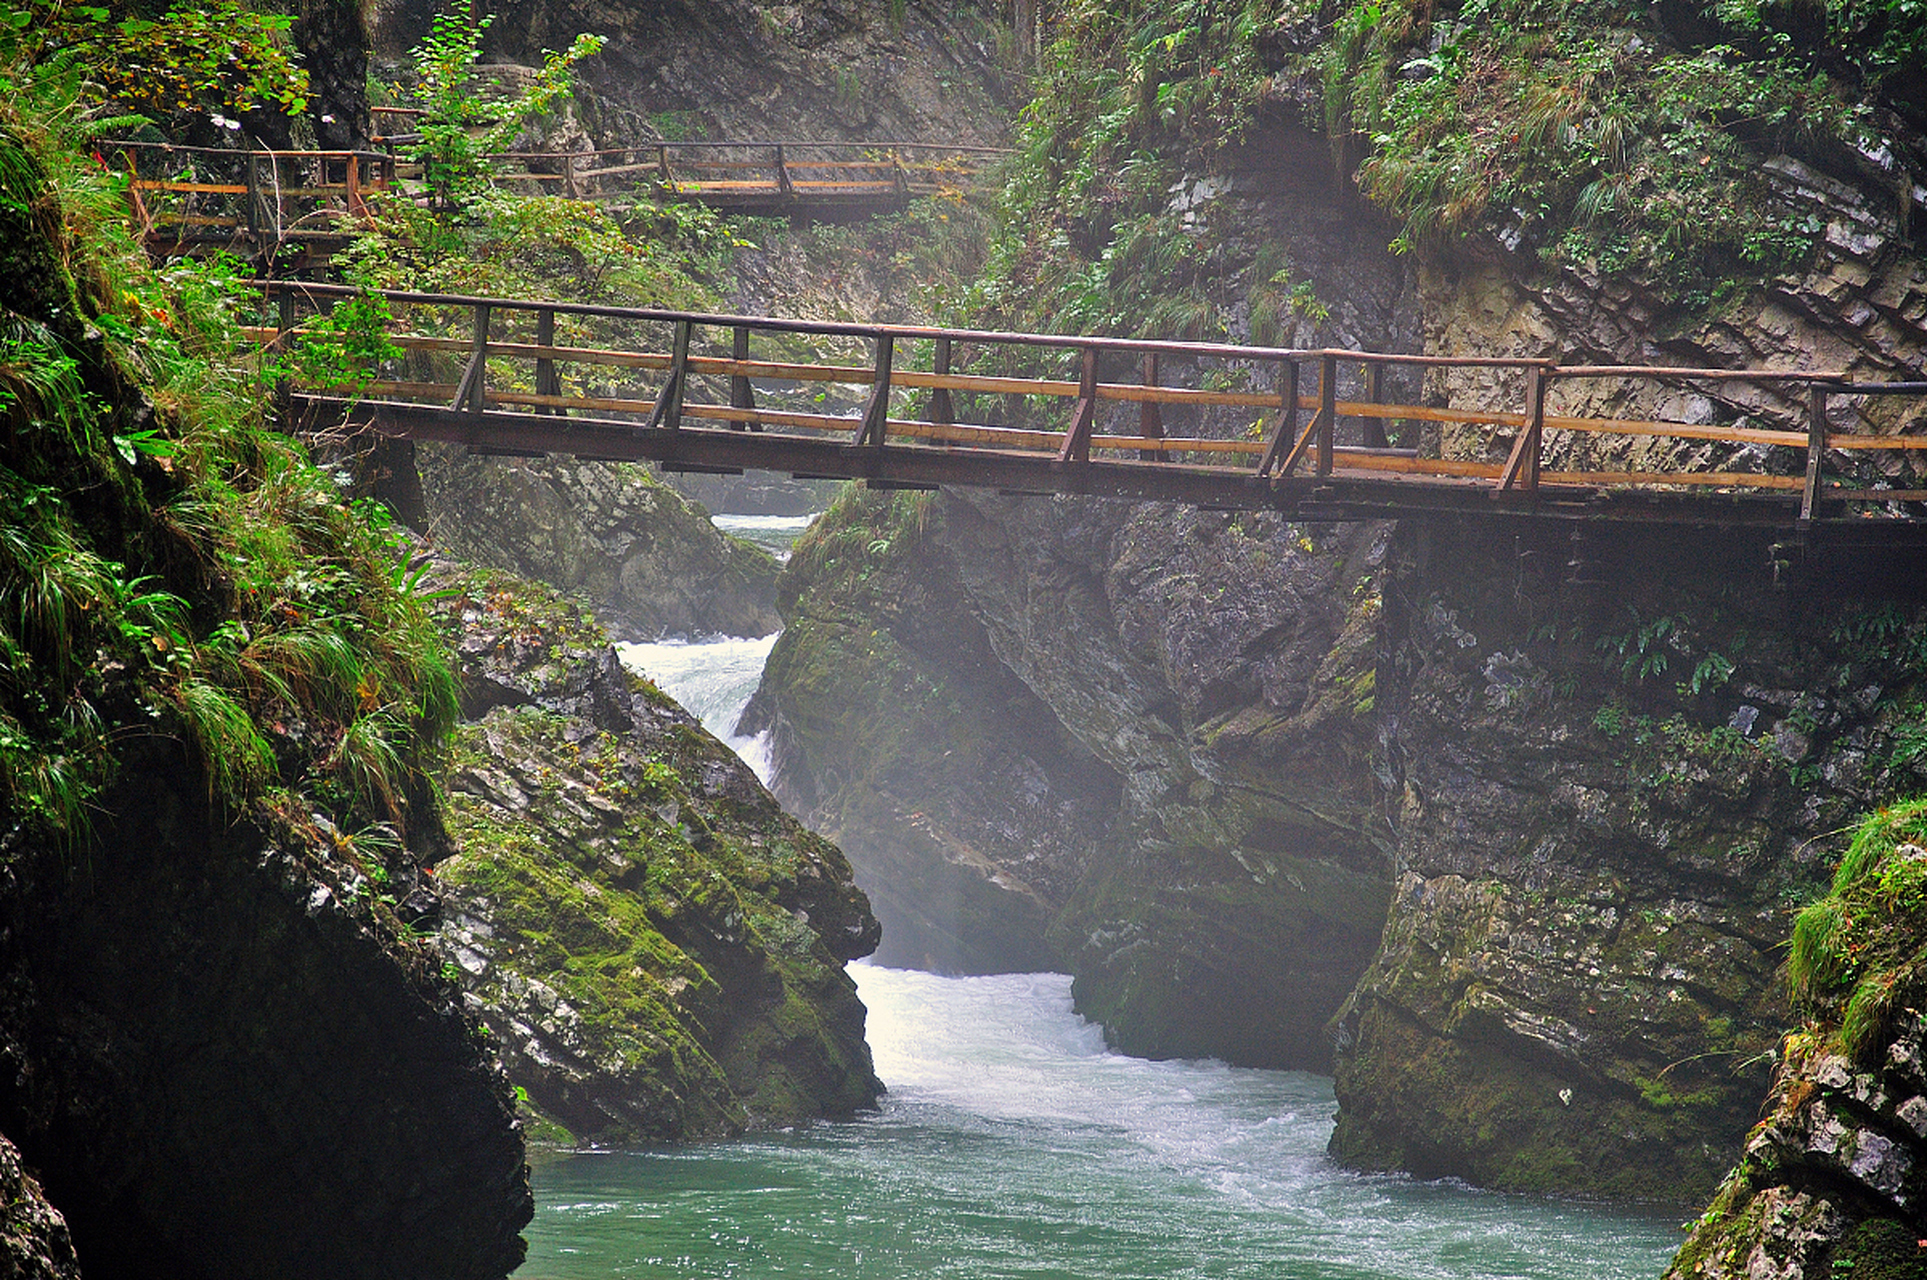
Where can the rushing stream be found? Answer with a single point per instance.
(1013, 1144)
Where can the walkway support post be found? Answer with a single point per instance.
(741, 394)
(1077, 441)
(1374, 428)
(668, 410)
(783, 184)
(546, 381)
(1150, 414)
(1816, 450)
(1522, 465)
(942, 411)
(1286, 436)
(876, 413)
(1327, 412)
(470, 393)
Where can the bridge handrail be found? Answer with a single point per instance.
(1285, 447)
(850, 329)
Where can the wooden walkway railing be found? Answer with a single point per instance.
(210, 197)
(1213, 424)
(757, 176)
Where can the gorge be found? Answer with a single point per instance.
(318, 842)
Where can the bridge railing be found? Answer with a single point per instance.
(753, 172)
(216, 197)
(612, 372)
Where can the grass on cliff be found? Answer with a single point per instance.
(1858, 953)
(167, 565)
(1613, 137)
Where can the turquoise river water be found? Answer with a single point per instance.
(1013, 1144)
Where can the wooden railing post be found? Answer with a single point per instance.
(1327, 412)
(471, 393)
(1816, 450)
(668, 409)
(1286, 437)
(283, 326)
(1150, 414)
(1077, 441)
(876, 414)
(662, 163)
(1522, 466)
(1373, 431)
(353, 177)
(783, 184)
(254, 200)
(546, 381)
(898, 177)
(943, 411)
(569, 187)
(741, 394)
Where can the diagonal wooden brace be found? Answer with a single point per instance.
(1287, 421)
(876, 413)
(1522, 465)
(1077, 441)
(668, 410)
(468, 392)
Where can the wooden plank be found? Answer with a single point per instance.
(1874, 495)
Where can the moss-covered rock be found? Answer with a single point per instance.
(1830, 1182)
(658, 948)
(1607, 795)
(648, 558)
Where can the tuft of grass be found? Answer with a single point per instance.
(1856, 954)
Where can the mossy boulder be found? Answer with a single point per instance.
(658, 948)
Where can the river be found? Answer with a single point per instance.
(1012, 1143)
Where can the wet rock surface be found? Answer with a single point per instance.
(657, 947)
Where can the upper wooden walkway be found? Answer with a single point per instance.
(308, 202)
(1215, 425)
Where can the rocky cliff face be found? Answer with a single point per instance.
(738, 69)
(648, 558)
(657, 947)
(1606, 798)
(1140, 753)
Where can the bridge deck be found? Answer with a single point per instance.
(1264, 427)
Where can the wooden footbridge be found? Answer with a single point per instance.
(1314, 433)
(303, 204)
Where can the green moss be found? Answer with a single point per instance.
(1856, 953)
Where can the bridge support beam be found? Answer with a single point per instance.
(741, 394)
(1522, 465)
(942, 411)
(1816, 451)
